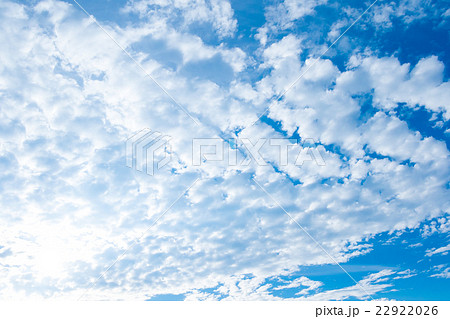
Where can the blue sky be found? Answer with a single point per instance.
(376, 105)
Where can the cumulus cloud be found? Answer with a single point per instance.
(217, 13)
(283, 14)
(254, 288)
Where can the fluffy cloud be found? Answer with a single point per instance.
(284, 13)
(254, 288)
(217, 13)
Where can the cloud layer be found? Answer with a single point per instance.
(70, 97)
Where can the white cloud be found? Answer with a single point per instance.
(255, 288)
(441, 250)
(217, 13)
(440, 226)
(283, 14)
(442, 272)
(286, 50)
(308, 284)
(393, 83)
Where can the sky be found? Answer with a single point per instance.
(366, 216)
